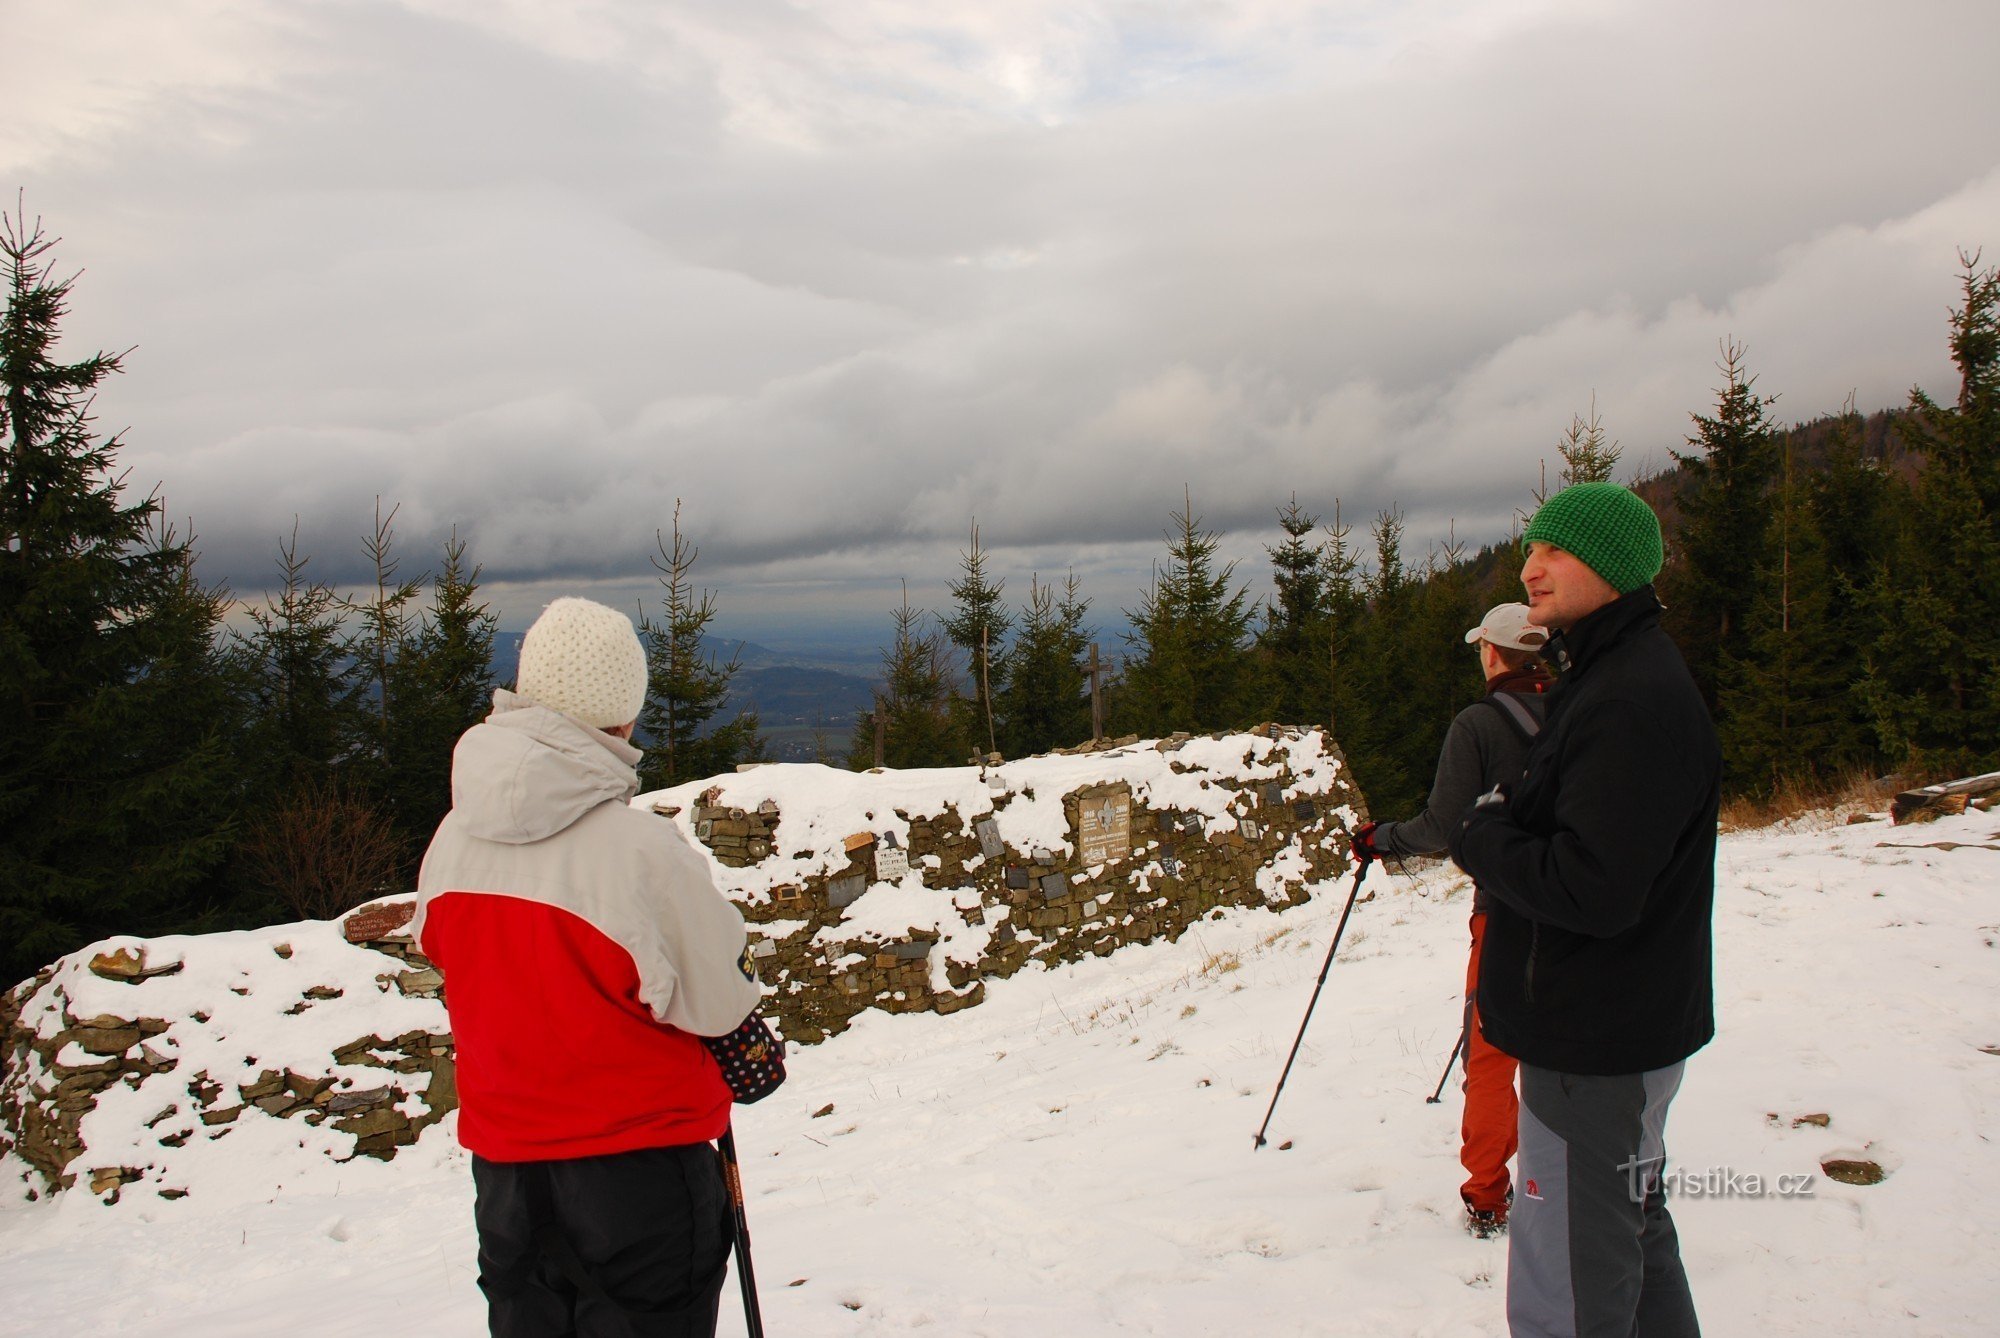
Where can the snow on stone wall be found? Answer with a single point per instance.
(904, 890)
(147, 1065)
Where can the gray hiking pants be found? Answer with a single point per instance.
(1592, 1250)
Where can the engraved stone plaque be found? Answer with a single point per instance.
(1104, 825)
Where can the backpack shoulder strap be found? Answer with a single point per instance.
(1515, 711)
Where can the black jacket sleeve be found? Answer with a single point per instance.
(1587, 863)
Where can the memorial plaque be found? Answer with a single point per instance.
(1191, 823)
(1251, 831)
(1274, 794)
(1017, 877)
(1169, 866)
(912, 951)
(764, 948)
(1054, 887)
(1169, 821)
(1305, 810)
(1104, 825)
(786, 892)
(988, 832)
(891, 863)
(845, 891)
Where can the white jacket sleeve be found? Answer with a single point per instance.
(693, 970)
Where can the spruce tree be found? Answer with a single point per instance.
(448, 688)
(1188, 669)
(1297, 627)
(978, 626)
(1936, 680)
(1777, 700)
(687, 686)
(1046, 703)
(1724, 539)
(914, 704)
(307, 712)
(380, 646)
(117, 785)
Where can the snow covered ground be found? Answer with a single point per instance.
(1074, 1156)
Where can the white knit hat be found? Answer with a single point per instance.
(584, 659)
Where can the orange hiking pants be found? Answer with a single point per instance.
(1491, 1127)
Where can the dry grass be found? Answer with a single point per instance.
(1836, 796)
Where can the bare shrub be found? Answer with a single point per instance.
(1846, 792)
(325, 850)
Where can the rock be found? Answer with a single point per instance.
(222, 1115)
(1853, 1171)
(369, 1123)
(423, 984)
(104, 1040)
(130, 966)
(363, 1100)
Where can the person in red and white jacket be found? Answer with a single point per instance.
(585, 951)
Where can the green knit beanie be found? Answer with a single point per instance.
(1609, 529)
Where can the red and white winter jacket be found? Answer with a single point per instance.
(584, 947)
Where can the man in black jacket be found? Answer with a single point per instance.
(1596, 973)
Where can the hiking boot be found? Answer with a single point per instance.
(1484, 1223)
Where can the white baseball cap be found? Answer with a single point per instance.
(1508, 625)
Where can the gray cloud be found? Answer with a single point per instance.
(843, 277)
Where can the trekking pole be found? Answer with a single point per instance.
(1432, 1099)
(753, 1318)
(1359, 873)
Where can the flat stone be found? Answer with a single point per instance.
(373, 1122)
(374, 1096)
(105, 1041)
(222, 1115)
(130, 965)
(423, 984)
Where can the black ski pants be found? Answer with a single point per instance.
(630, 1245)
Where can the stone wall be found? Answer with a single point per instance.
(1263, 832)
(69, 1058)
(897, 891)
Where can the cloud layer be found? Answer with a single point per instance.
(844, 275)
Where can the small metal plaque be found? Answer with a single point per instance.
(764, 948)
(845, 891)
(891, 863)
(1170, 866)
(913, 951)
(1017, 877)
(1168, 821)
(1251, 831)
(1305, 810)
(1191, 823)
(1054, 887)
(988, 832)
(1274, 794)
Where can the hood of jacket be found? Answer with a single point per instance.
(527, 772)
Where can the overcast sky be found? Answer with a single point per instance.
(843, 274)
